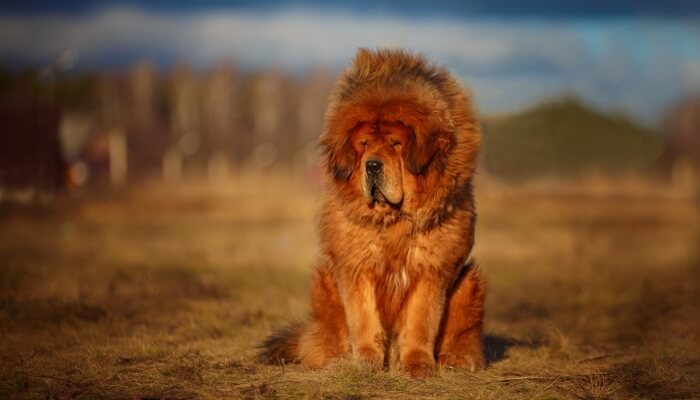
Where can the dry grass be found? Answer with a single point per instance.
(163, 293)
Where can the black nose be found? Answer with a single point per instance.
(374, 167)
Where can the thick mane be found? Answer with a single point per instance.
(378, 76)
(389, 67)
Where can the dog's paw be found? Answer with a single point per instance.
(462, 361)
(371, 355)
(419, 364)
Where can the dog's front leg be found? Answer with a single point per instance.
(421, 321)
(366, 332)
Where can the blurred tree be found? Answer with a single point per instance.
(312, 102)
(681, 158)
(147, 137)
(221, 116)
(186, 122)
(566, 138)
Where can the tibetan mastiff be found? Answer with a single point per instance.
(393, 285)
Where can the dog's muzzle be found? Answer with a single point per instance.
(375, 179)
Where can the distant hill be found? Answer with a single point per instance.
(566, 138)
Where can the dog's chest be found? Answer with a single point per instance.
(390, 266)
(391, 272)
(383, 256)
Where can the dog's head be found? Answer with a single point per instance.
(399, 135)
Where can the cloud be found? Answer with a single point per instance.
(637, 66)
(289, 39)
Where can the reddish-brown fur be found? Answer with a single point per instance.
(394, 286)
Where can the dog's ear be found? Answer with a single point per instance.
(339, 158)
(426, 149)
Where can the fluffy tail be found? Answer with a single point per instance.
(282, 346)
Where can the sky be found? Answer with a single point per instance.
(635, 57)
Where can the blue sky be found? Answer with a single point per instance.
(457, 8)
(638, 57)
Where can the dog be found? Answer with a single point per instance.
(394, 285)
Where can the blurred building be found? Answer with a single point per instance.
(31, 160)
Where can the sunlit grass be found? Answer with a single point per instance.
(164, 292)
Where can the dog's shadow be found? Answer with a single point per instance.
(496, 346)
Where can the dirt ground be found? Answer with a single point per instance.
(163, 292)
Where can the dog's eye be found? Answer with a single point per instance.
(396, 145)
(364, 143)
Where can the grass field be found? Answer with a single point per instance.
(164, 293)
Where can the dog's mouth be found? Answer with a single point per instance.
(381, 190)
(377, 195)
